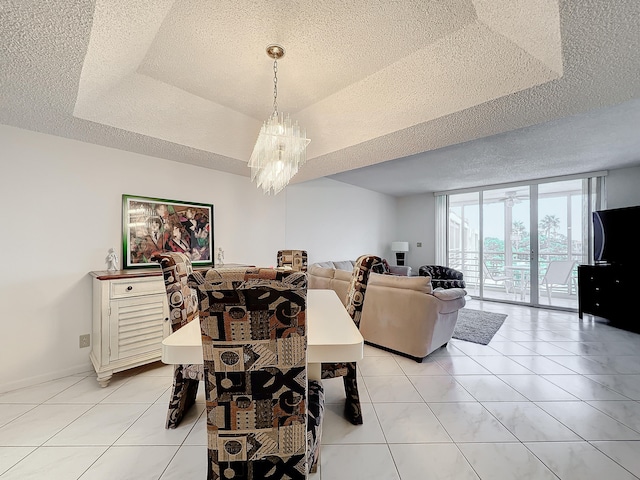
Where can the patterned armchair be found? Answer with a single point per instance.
(253, 324)
(183, 308)
(296, 259)
(355, 301)
(443, 277)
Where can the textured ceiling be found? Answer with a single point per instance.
(370, 81)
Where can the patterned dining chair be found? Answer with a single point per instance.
(183, 308)
(355, 302)
(253, 325)
(296, 259)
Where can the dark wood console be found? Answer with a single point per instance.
(606, 291)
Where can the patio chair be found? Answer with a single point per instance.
(559, 273)
(504, 278)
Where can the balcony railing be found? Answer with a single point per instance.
(468, 262)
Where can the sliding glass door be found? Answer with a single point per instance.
(506, 241)
(562, 240)
(464, 238)
(521, 243)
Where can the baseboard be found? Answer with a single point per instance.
(31, 381)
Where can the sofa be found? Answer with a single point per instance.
(337, 275)
(401, 314)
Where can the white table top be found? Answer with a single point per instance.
(331, 334)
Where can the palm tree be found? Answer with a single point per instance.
(518, 231)
(549, 224)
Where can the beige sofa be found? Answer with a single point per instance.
(336, 275)
(321, 275)
(402, 314)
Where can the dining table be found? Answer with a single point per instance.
(331, 336)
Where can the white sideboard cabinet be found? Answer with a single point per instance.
(130, 319)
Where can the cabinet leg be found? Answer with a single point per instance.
(104, 378)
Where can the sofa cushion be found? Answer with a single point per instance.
(419, 284)
(319, 277)
(340, 284)
(344, 265)
(324, 264)
(319, 271)
(403, 270)
(343, 275)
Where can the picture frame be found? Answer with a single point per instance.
(158, 225)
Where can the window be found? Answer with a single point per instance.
(505, 239)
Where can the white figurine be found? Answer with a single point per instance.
(112, 260)
(220, 256)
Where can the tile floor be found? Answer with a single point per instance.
(550, 397)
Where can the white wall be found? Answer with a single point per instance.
(62, 210)
(623, 187)
(336, 221)
(416, 223)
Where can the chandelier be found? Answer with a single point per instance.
(281, 146)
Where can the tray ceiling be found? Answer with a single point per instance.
(370, 81)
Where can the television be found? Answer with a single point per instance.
(613, 239)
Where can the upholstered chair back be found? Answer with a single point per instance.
(182, 300)
(183, 308)
(296, 259)
(364, 265)
(253, 325)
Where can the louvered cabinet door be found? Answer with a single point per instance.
(130, 319)
(136, 326)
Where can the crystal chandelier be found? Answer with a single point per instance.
(281, 146)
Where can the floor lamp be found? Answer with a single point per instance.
(400, 248)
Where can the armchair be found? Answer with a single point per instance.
(405, 315)
(402, 270)
(443, 277)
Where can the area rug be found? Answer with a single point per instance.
(476, 326)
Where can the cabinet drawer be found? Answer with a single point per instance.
(128, 288)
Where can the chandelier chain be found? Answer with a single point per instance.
(275, 87)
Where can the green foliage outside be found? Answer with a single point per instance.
(550, 242)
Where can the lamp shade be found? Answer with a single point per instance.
(399, 246)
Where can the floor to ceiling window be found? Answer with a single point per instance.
(522, 243)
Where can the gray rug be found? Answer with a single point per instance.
(476, 326)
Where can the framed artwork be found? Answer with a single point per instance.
(156, 225)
